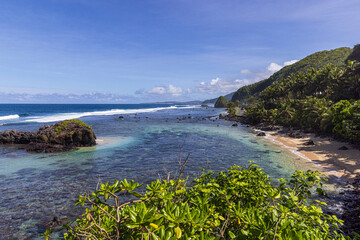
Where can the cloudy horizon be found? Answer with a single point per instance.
(214, 87)
(106, 52)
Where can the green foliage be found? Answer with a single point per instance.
(355, 55)
(63, 125)
(316, 60)
(325, 100)
(231, 108)
(240, 203)
(346, 119)
(221, 102)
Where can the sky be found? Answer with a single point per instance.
(133, 51)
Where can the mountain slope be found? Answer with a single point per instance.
(317, 60)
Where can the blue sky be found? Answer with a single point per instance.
(159, 50)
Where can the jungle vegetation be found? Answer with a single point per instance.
(325, 100)
(317, 60)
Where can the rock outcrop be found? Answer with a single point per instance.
(221, 102)
(62, 136)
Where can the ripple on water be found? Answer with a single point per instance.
(39, 187)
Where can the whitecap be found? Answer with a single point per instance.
(9, 117)
(67, 116)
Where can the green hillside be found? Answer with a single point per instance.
(221, 102)
(317, 60)
(355, 54)
(325, 100)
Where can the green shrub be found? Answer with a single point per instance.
(63, 125)
(239, 203)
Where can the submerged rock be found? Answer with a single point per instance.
(62, 136)
(261, 134)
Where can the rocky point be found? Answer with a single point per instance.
(62, 136)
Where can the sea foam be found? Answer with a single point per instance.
(67, 116)
(9, 117)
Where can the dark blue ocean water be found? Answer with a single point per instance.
(143, 146)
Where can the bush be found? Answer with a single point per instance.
(240, 203)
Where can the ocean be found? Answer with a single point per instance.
(143, 145)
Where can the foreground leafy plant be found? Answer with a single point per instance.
(240, 203)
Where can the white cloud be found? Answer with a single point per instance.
(169, 91)
(290, 62)
(220, 85)
(214, 81)
(214, 86)
(158, 90)
(273, 67)
(175, 91)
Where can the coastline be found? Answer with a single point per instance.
(341, 166)
(334, 163)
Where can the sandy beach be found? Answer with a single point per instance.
(343, 164)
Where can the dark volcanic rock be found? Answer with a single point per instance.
(231, 117)
(14, 137)
(62, 136)
(352, 208)
(309, 143)
(261, 134)
(343, 148)
(294, 135)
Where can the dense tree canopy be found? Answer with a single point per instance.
(323, 100)
(317, 60)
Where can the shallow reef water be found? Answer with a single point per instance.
(140, 146)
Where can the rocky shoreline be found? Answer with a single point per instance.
(60, 137)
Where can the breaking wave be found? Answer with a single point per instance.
(9, 117)
(67, 116)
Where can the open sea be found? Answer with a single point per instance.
(144, 145)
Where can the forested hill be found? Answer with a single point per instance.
(325, 100)
(317, 60)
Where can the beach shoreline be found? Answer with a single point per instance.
(340, 167)
(325, 153)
